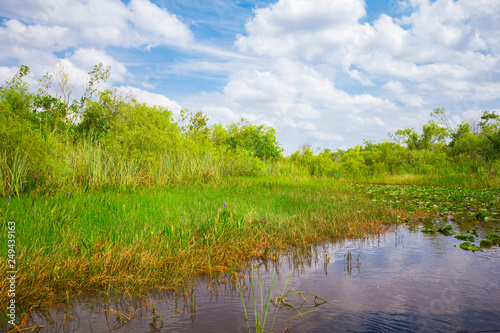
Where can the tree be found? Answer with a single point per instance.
(259, 140)
(433, 136)
(490, 128)
(98, 115)
(139, 131)
(197, 127)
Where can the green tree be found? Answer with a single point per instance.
(259, 140)
(98, 115)
(141, 132)
(28, 158)
(490, 128)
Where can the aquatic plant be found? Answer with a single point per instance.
(469, 246)
(259, 316)
(445, 230)
(469, 238)
(447, 203)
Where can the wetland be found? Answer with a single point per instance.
(414, 276)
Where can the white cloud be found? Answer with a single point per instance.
(6, 74)
(399, 92)
(165, 28)
(151, 99)
(77, 23)
(327, 136)
(443, 52)
(86, 59)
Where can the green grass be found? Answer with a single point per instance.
(473, 174)
(75, 243)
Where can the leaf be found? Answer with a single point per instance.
(469, 238)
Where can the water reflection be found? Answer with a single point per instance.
(401, 281)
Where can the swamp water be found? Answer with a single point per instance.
(403, 281)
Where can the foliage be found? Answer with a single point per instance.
(316, 165)
(101, 139)
(439, 154)
(259, 140)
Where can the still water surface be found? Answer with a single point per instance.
(405, 281)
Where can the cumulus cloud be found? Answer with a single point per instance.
(74, 35)
(76, 23)
(151, 99)
(439, 53)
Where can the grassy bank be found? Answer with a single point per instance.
(71, 244)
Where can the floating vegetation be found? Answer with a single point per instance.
(481, 216)
(486, 242)
(494, 238)
(469, 246)
(469, 238)
(476, 212)
(445, 230)
(453, 204)
(473, 231)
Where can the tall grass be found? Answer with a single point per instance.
(13, 175)
(260, 316)
(476, 174)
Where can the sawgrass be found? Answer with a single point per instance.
(72, 244)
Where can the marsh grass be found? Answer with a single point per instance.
(473, 174)
(260, 316)
(261, 301)
(116, 241)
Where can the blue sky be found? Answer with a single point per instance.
(329, 73)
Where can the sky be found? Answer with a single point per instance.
(325, 73)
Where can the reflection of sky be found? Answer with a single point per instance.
(406, 282)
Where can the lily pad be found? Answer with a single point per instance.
(469, 246)
(486, 242)
(469, 238)
(480, 216)
(428, 230)
(465, 245)
(446, 229)
(473, 231)
(494, 238)
(496, 230)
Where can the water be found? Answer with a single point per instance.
(404, 281)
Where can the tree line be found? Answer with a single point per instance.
(48, 141)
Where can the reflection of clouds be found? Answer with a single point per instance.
(422, 283)
(428, 276)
